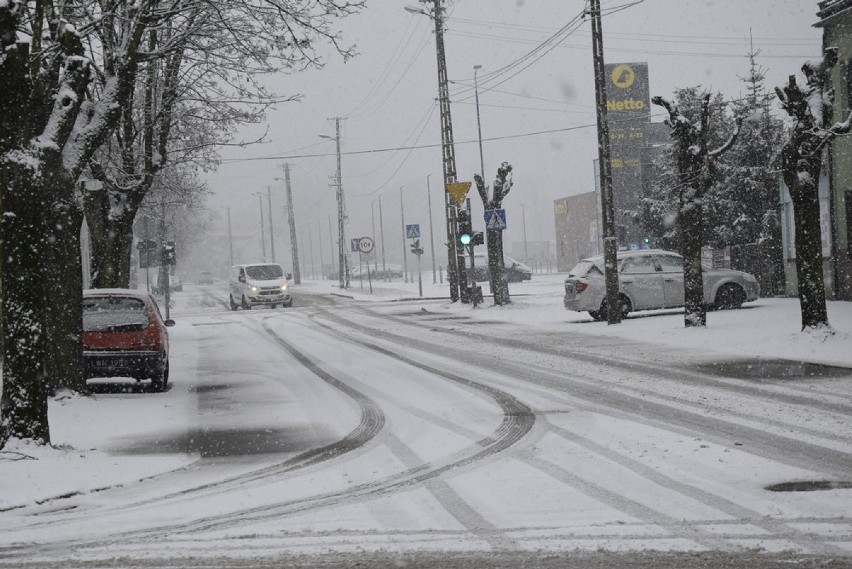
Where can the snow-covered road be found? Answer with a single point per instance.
(351, 428)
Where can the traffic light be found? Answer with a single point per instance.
(478, 238)
(465, 227)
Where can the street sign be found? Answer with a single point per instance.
(365, 245)
(354, 244)
(495, 219)
(412, 231)
(458, 190)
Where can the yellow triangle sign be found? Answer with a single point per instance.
(458, 190)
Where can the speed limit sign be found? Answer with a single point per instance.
(365, 245)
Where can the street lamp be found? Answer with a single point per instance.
(478, 123)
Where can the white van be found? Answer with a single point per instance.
(259, 284)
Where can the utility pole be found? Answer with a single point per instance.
(431, 230)
(230, 239)
(524, 224)
(404, 246)
(311, 250)
(319, 246)
(343, 268)
(478, 123)
(291, 221)
(455, 254)
(373, 219)
(610, 243)
(331, 242)
(262, 229)
(382, 229)
(269, 213)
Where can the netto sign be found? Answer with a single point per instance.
(627, 88)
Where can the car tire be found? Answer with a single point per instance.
(232, 303)
(626, 308)
(596, 315)
(273, 306)
(160, 379)
(287, 304)
(245, 304)
(729, 296)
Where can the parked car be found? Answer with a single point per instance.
(124, 335)
(513, 271)
(205, 277)
(260, 284)
(652, 279)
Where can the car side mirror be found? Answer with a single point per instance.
(169, 322)
(241, 278)
(289, 276)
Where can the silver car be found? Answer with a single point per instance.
(651, 279)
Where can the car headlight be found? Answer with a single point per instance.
(284, 286)
(253, 288)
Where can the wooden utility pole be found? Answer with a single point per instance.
(610, 243)
(291, 220)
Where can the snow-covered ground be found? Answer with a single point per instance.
(105, 441)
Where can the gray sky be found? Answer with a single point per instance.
(387, 94)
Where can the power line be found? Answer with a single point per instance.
(422, 146)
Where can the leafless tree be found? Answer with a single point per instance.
(801, 162)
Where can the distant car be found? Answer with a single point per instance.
(124, 335)
(175, 283)
(513, 271)
(205, 277)
(651, 279)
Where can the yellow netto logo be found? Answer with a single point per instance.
(623, 76)
(625, 105)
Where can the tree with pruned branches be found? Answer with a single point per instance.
(810, 106)
(696, 172)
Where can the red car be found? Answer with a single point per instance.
(124, 335)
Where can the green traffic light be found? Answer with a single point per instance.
(465, 238)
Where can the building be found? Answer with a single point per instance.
(835, 19)
(578, 233)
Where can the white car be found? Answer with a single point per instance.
(651, 279)
(260, 284)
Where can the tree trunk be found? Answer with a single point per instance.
(63, 278)
(25, 389)
(496, 266)
(809, 270)
(112, 241)
(695, 311)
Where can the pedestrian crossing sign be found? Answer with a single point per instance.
(495, 219)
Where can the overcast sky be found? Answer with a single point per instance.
(538, 114)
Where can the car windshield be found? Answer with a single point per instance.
(113, 313)
(264, 272)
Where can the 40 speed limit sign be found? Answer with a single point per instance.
(365, 245)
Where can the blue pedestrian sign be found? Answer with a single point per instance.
(354, 244)
(412, 231)
(495, 219)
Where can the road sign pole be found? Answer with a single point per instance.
(419, 277)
